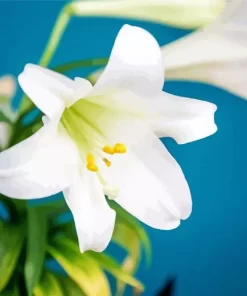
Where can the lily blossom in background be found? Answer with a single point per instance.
(7, 115)
(103, 140)
(189, 14)
(216, 55)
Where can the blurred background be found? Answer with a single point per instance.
(207, 253)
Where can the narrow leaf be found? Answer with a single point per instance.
(49, 285)
(126, 237)
(11, 242)
(55, 207)
(11, 291)
(110, 265)
(36, 247)
(4, 118)
(132, 223)
(70, 287)
(81, 268)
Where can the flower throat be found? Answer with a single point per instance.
(79, 120)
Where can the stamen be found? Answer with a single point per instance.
(119, 148)
(90, 158)
(107, 162)
(108, 150)
(91, 166)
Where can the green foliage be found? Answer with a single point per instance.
(36, 247)
(32, 235)
(11, 242)
(4, 118)
(48, 285)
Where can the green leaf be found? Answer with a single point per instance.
(49, 285)
(53, 208)
(81, 268)
(16, 208)
(70, 287)
(11, 291)
(4, 118)
(127, 238)
(110, 265)
(36, 247)
(81, 64)
(11, 242)
(133, 223)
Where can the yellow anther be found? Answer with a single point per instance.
(108, 150)
(92, 167)
(107, 162)
(90, 158)
(119, 148)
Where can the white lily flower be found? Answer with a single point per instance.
(103, 140)
(216, 55)
(7, 91)
(188, 14)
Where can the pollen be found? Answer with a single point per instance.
(108, 150)
(107, 162)
(91, 166)
(119, 148)
(90, 158)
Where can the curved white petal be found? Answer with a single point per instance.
(94, 219)
(40, 166)
(216, 55)
(135, 64)
(183, 119)
(50, 91)
(45, 100)
(83, 87)
(141, 193)
(160, 162)
(151, 184)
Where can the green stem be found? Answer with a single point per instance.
(55, 37)
(52, 44)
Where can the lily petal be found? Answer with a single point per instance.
(151, 184)
(188, 14)
(42, 165)
(154, 155)
(141, 193)
(49, 91)
(183, 119)
(94, 219)
(135, 64)
(216, 55)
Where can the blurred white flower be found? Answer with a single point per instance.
(103, 140)
(179, 13)
(216, 55)
(7, 115)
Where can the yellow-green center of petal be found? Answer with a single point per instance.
(80, 122)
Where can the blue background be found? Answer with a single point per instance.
(207, 253)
